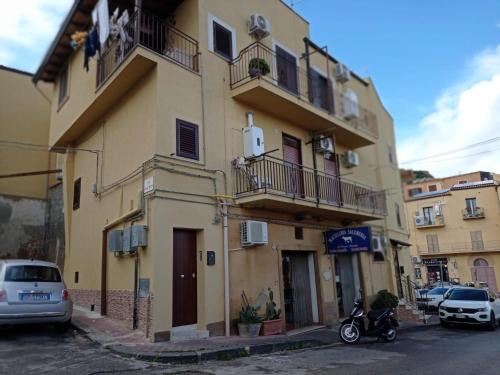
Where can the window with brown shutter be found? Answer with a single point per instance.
(223, 41)
(476, 238)
(77, 188)
(187, 140)
(63, 85)
(432, 243)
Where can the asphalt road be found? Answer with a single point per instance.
(40, 350)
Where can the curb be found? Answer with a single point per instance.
(224, 354)
(418, 328)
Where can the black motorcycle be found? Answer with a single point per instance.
(381, 324)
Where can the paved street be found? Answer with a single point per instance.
(463, 351)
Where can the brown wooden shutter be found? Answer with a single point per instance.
(432, 243)
(187, 140)
(476, 238)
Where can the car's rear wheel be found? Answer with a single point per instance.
(63, 327)
(444, 324)
(493, 322)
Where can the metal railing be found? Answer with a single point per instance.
(266, 174)
(152, 33)
(259, 61)
(428, 221)
(476, 213)
(458, 247)
(415, 296)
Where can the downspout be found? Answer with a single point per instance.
(225, 231)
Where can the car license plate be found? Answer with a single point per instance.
(460, 316)
(34, 297)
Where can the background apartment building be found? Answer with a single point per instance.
(454, 229)
(31, 216)
(178, 200)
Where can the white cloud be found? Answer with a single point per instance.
(464, 114)
(27, 27)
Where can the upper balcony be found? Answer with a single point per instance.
(273, 84)
(476, 213)
(426, 221)
(286, 187)
(459, 247)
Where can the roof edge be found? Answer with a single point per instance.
(14, 70)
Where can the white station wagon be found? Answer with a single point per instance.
(33, 291)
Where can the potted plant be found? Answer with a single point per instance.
(258, 67)
(249, 322)
(272, 323)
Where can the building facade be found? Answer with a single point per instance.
(454, 232)
(31, 218)
(208, 152)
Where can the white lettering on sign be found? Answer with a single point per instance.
(148, 185)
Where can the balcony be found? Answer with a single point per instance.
(476, 213)
(460, 247)
(152, 33)
(271, 183)
(286, 91)
(429, 221)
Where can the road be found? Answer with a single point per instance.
(39, 350)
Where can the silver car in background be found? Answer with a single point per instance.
(33, 291)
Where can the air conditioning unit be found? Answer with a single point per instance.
(324, 145)
(351, 159)
(419, 220)
(253, 233)
(416, 260)
(342, 73)
(377, 244)
(351, 108)
(259, 26)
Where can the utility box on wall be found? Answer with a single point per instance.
(139, 236)
(126, 240)
(115, 240)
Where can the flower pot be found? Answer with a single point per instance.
(249, 330)
(255, 72)
(271, 327)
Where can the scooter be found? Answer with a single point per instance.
(381, 324)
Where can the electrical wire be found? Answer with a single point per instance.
(43, 147)
(464, 156)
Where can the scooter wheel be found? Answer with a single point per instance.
(391, 334)
(349, 333)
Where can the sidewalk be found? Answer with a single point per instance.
(121, 340)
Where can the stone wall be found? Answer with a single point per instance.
(55, 225)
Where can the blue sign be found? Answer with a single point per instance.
(348, 240)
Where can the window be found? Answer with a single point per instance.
(401, 270)
(468, 295)
(418, 273)
(77, 277)
(476, 239)
(63, 85)
(432, 187)
(398, 215)
(33, 274)
(299, 233)
(428, 215)
(389, 154)
(77, 187)
(378, 256)
(471, 205)
(286, 69)
(320, 90)
(414, 191)
(222, 41)
(187, 140)
(432, 243)
(480, 262)
(462, 181)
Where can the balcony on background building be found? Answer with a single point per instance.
(423, 221)
(272, 183)
(286, 90)
(476, 213)
(460, 247)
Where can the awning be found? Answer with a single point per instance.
(399, 242)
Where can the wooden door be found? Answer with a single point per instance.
(184, 303)
(286, 66)
(294, 182)
(297, 290)
(332, 181)
(482, 272)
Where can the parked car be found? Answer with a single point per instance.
(432, 298)
(465, 305)
(33, 291)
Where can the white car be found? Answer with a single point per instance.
(465, 305)
(433, 298)
(33, 291)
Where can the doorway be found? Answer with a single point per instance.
(299, 289)
(332, 180)
(286, 69)
(184, 301)
(397, 271)
(292, 157)
(483, 272)
(347, 282)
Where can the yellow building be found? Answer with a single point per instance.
(454, 231)
(178, 199)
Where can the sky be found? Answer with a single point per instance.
(435, 64)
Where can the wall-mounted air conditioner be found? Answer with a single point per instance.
(350, 159)
(342, 73)
(253, 233)
(324, 145)
(351, 106)
(259, 26)
(377, 244)
(416, 260)
(419, 220)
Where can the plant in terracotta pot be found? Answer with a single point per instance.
(258, 67)
(272, 324)
(249, 322)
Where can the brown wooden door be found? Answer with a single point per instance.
(184, 302)
(332, 181)
(286, 66)
(294, 181)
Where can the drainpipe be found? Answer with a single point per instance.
(225, 231)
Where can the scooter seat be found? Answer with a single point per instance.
(377, 314)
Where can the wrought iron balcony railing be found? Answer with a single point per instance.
(476, 213)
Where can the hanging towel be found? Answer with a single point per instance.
(92, 46)
(103, 20)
